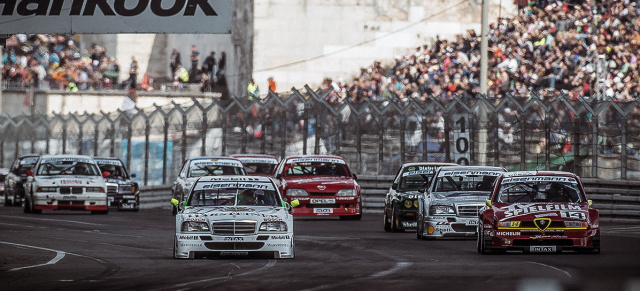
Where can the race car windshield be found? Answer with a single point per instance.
(24, 166)
(70, 168)
(528, 192)
(199, 170)
(414, 182)
(316, 169)
(259, 168)
(456, 183)
(115, 171)
(234, 197)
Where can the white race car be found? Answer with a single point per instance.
(65, 182)
(233, 215)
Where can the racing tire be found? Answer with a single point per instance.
(100, 211)
(175, 248)
(387, 224)
(482, 249)
(395, 220)
(351, 217)
(26, 207)
(6, 201)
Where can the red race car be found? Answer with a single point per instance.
(319, 185)
(538, 212)
(258, 165)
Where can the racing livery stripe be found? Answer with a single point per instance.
(539, 179)
(470, 173)
(108, 162)
(258, 161)
(218, 163)
(49, 160)
(420, 172)
(241, 185)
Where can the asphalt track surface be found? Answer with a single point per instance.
(66, 250)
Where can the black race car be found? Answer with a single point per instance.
(122, 192)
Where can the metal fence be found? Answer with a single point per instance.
(593, 138)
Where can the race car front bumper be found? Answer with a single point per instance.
(449, 226)
(543, 242)
(97, 202)
(327, 206)
(189, 246)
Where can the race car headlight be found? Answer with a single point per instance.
(297, 192)
(407, 204)
(125, 189)
(47, 189)
(273, 226)
(575, 224)
(194, 226)
(95, 189)
(441, 210)
(346, 192)
(415, 203)
(512, 223)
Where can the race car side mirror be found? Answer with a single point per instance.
(105, 174)
(175, 202)
(488, 203)
(29, 173)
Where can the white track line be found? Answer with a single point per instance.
(552, 267)
(59, 255)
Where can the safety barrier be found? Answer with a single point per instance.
(617, 200)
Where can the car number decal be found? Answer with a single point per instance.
(323, 210)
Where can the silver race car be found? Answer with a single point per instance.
(449, 207)
(233, 216)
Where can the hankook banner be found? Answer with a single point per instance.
(115, 16)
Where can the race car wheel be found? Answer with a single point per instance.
(6, 201)
(479, 240)
(481, 247)
(175, 248)
(395, 220)
(351, 217)
(387, 224)
(419, 230)
(26, 206)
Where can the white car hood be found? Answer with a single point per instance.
(213, 213)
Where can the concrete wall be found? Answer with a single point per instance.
(12, 102)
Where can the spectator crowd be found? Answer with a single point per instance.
(549, 47)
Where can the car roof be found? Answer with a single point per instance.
(540, 173)
(472, 168)
(234, 178)
(29, 156)
(238, 156)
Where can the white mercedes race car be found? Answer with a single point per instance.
(65, 182)
(233, 216)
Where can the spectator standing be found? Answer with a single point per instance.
(209, 68)
(252, 90)
(174, 61)
(195, 58)
(133, 73)
(222, 66)
(272, 84)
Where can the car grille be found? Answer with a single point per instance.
(234, 245)
(70, 190)
(457, 227)
(112, 189)
(234, 227)
(468, 210)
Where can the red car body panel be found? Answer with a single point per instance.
(539, 226)
(322, 198)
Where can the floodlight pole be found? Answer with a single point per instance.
(484, 66)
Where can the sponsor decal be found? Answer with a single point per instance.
(108, 162)
(547, 236)
(410, 224)
(470, 173)
(323, 210)
(538, 179)
(532, 208)
(241, 185)
(471, 222)
(107, 8)
(53, 160)
(278, 245)
(199, 219)
(418, 172)
(70, 182)
(322, 200)
(217, 163)
(443, 228)
(315, 160)
(189, 237)
(271, 219)
(258, 161)
(573, 214)
(283, 236)
(547, 214)
(68, 197)
(128, 196)
(542, 223)
(508, 233)
(542, 249)
(234, 239)
(190, 245)
(234, 253)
